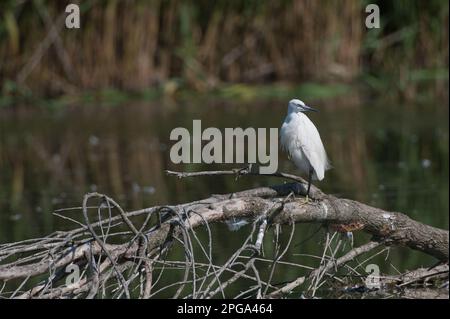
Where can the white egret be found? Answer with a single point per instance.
(300, 138)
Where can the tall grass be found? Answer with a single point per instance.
(133, 44)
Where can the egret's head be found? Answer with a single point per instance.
(296, 106)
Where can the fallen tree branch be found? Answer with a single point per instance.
(147, 244)
(391, 227)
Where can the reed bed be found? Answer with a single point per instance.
(134, 45)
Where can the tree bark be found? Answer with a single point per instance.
(274, 204)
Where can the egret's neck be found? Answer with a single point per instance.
(294, 113)
(295, 117)
(292, 109)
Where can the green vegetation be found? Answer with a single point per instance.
(236, 49)
(159, 64)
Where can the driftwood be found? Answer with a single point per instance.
(110, 266)
(392, 227)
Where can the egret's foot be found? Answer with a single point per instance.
(307, 199)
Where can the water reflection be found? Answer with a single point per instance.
(389, 155)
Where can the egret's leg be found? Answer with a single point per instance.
(309, 184)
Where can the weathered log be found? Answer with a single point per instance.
(270, 203)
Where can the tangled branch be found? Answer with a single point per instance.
(111, 257)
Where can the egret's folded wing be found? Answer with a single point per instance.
(311, 144)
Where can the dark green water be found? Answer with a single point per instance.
(387, 154)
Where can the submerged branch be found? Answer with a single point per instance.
(113, 260)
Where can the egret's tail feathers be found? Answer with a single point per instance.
(328, 165)
(319, 174)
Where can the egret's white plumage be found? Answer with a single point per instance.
(300, 138)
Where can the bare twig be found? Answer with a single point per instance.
(138, 266)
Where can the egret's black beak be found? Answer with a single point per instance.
(309, 108)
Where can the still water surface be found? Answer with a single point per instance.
(390, 155)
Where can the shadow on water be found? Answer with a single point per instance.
(388, 155)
